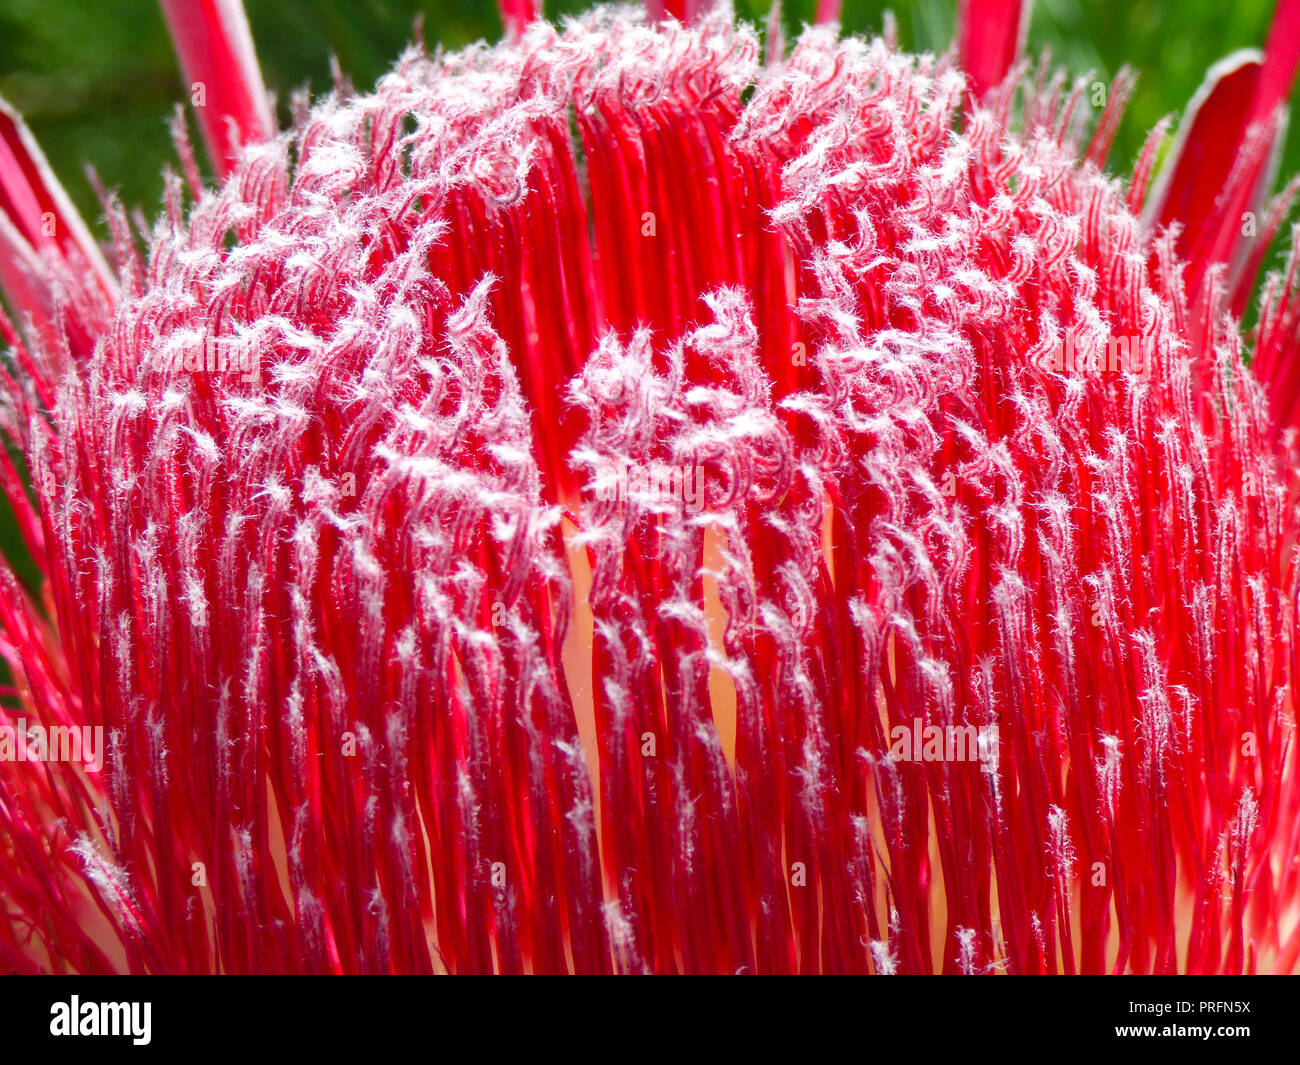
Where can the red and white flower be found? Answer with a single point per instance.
(392, 681)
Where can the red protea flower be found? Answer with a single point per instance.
(628, 499)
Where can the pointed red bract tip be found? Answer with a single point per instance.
(41, 233)
(1281, 56)
(681, 10)
(35, 203)
(828, 10)
(661, 514)
(1203, 156)
(1217, 179)
(517, 14)
(221, 72)
(991, 35)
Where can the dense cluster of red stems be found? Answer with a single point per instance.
(388, 685)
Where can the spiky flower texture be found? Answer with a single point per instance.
(513, 522)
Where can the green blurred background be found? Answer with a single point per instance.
(97, 81)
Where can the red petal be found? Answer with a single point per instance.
(37, 218)
(220, 66)
(1227, 147)
(1281, 56)
(21, 281)
(681, 10)
(992, 33)
(828, 10)
(517, 14)
(1203, 157)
